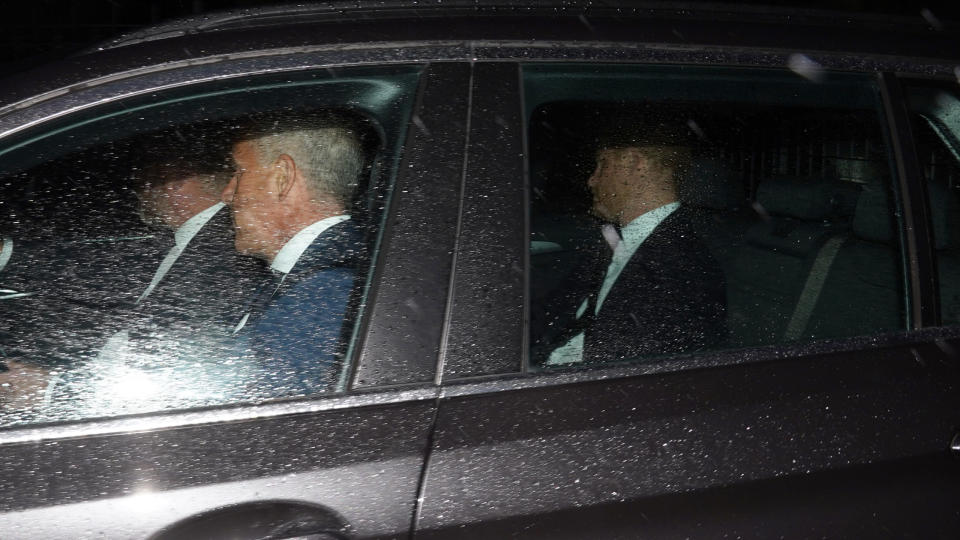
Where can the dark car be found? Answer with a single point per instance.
(796, 375)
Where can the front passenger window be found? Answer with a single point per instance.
(205, 246)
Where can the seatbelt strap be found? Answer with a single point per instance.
(813, 287)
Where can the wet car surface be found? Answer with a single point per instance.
(823, 182)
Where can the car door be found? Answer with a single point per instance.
(829, 408)
(340, 463)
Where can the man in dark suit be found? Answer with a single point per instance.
(136, 300)
(295, 178)
(658, 289)
(201, 283)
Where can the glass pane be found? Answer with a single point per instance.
(676, 210)
(936, 122)
(202, 246)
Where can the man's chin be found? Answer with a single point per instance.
(250, 249)
(242, 247)
(150, 219)
(601, 212)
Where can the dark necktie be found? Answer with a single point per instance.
(261, 298)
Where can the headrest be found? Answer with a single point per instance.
(797, 238)
(707, 184)
(801, 199)
(872, 219)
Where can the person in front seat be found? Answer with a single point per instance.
(118, 304)
(294, 181)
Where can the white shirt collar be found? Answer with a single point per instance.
(192, 226)
(6, 251)
(634, 234)
(290, 253)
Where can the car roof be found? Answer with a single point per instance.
(298, 27)
(345, 11)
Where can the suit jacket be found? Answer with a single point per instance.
(299, 333)
(670, 297)
(207, 286)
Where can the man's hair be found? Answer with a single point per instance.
(673, 158)
(161, 172)
(330, 147)
(182, 152)
(661, 132)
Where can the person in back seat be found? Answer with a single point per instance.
(662, 291)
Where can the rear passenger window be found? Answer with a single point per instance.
(936, 123)
(677, 209)
(200, 246)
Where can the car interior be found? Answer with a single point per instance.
(66, 191)
(794, 196)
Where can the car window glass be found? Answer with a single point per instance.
(194, 247)
(936, 122)
(675, 210)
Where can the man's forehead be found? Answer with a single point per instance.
(615, 151)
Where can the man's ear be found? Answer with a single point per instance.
(285, 172)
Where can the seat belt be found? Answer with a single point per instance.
(812, 288)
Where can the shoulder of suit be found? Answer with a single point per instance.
(341, 246)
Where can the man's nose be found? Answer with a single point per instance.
(227, 194)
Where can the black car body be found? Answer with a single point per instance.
(445, 425)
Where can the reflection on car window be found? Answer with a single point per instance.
(176, 263)
(936, 122)
(676, 210)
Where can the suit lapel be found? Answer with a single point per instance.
(654, 247)
(338, 246)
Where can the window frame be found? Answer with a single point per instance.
(382, 372)
(917, 275)
(902, 84)
(915, 233)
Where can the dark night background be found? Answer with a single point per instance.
(37, 31)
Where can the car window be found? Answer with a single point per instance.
(679, 209)
(936, 123)
(196, 246)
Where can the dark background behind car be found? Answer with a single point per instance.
(40, 31)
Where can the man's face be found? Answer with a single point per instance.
(156, 202)
(169, 202)
(254, 202)
(611, 182)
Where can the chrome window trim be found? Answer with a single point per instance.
(76, 96)
(706, 360)
(240, 412)
(25, 114)
(708, 55)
